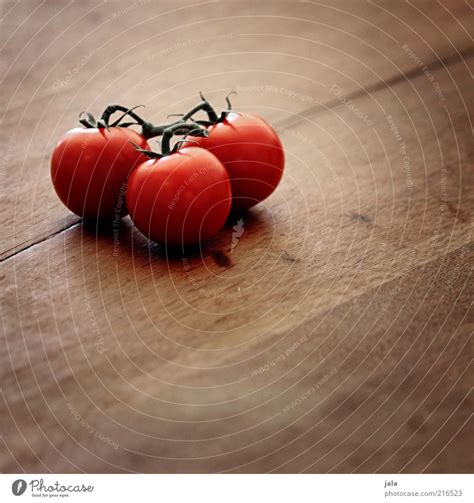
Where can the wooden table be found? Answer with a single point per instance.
(336, 335)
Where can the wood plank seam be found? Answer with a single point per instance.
(31, 245)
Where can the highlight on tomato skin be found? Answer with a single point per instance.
(90, 167)
(181, 199)
(252, 153)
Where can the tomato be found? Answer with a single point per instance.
(180, 199)
(90, 167)
(247, 146)
(252, 153)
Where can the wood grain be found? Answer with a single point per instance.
(336, 335)
(284, 58)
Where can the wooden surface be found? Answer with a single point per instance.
(336, 335)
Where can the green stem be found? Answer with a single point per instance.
(178, 128)
(148, 129)
(205, 106)
(153, 131)
(111, 109)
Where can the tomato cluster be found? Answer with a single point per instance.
(180, 196)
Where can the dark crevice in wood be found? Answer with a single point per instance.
(59, 231)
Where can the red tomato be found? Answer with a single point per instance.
(90, 167)
(252, 153)
(180, 199)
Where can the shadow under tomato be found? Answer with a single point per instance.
(123, 234)
(218, 246)
(103, 228)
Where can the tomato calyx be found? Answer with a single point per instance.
(148, 129)
(213, 118)
(178, 128)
